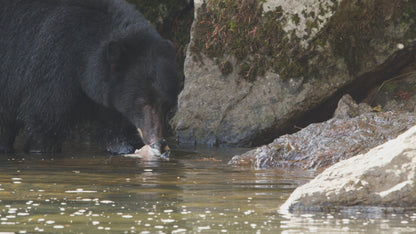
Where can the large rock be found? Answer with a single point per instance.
(354, 130)
(250, 75)
(323, 144)
(384, 177)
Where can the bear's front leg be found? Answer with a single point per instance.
(46, 116)
(42, 138)
(8, 133)
(6, 141)
(42, 143)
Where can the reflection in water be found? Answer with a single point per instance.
(191, 193)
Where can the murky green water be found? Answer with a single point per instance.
(93, 193)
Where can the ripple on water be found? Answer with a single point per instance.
(119, 195)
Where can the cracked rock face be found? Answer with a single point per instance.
(385, 176)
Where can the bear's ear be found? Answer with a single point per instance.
(115, 52)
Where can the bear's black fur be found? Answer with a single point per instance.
(63, 62)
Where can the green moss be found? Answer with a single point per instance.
(259, 43)
(389, 87)
(244, 69)
(310, 24)
(295, 19)
(226, 68)
(254, 37)
(357, 24)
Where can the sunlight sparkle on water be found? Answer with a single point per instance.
(103, 194)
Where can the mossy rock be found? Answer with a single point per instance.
(254, 37)
(286, 70)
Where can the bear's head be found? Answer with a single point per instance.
(137, 77)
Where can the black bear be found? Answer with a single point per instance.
(65, 61)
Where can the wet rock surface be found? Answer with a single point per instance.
(322, 144)
(384, 177)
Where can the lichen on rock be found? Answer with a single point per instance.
(279, 74)
(307, 17)
(256, 38)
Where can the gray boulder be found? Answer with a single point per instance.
(250, 76)
(384, 177)
(323, 144)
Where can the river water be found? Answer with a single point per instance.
(194, 192)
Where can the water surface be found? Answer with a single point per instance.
(194, 192)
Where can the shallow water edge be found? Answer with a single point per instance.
(196, 191)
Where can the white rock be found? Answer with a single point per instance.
(385, 176)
